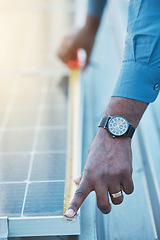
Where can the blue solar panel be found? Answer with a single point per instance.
(33, 150)
(11, 199)
(44, 199)
(48, 166)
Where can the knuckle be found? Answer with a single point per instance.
(125, 168)
(125, 172)
(112, 175)
(87, 176)
(116, 171)
(79, 193)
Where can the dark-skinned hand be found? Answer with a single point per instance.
(108, 168)
(107, 171)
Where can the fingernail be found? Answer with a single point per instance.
(76, 179)
(70, 213)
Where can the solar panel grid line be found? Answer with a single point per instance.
(39, 116)
(13, 182)
(40, 181)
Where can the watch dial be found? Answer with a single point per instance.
(118, 125)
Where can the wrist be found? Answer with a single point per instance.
(131, 109)
(107, 136)
(92, 24)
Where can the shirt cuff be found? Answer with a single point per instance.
(96, 7)
(138, 81)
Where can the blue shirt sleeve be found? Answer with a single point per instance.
(96, 7)
(139, 77)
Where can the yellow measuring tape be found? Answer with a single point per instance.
(73, 139)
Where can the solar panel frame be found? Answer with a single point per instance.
(34, 226)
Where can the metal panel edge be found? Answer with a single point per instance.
(43, 226)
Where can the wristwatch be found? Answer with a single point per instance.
(118, 126)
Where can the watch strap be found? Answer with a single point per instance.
(103, 122)
(130, 131)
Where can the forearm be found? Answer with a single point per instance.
(131, 109)
(96, 7)
(94, 14)
(92, 23)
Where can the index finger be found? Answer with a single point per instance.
(80, 195)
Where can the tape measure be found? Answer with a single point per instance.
(72, 136)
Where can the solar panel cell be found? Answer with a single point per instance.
(22, 118)
(14, 168)
(17, 141)
(27, 98)
(44, 199)
(11, 199)
(48, 166)
(55, 116)
(56, 97)
(30, 82)
(53, 139)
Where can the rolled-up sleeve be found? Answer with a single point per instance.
(139, 77)
(96, 7)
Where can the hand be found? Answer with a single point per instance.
(109, 163)
(108, 170)
(83, 38)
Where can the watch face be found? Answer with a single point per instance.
(118, 125)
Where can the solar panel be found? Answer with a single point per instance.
(33, 124)
(33, 153)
